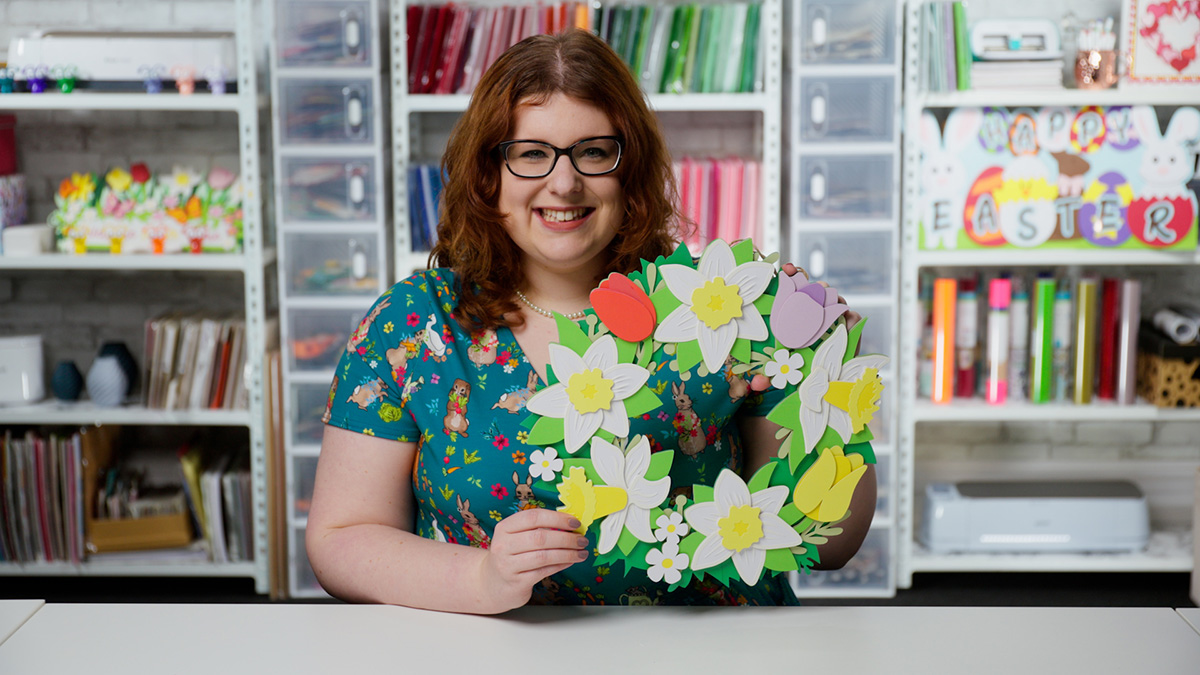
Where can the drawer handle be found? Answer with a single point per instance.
(356, 187)
(355, 127)
(816, 262)
(351, 33)
(816, 186)
(817, 110)
(358, 261)
(819, 32)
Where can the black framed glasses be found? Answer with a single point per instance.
(594, 156)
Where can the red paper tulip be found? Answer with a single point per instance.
(139, 172)
(625, 308)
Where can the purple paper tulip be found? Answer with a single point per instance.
(803, 311)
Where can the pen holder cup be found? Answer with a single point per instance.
(1096, 68)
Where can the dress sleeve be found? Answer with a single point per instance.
(761, 404)
(367, 395)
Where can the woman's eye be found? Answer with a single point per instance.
(533, 154)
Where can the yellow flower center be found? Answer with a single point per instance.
(859, 398)
(588, 502)
(668, 563)
(785, 369)
(716, 303)
(741, 528)
(545, 463)
(671, 528)
(589, 391)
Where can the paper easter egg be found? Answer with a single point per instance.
(1089, 130)
(1102, 217)
(1162, 222)
(1119, 131)
(1028, 217)
(980, 214)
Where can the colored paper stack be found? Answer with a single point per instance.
(719, 198)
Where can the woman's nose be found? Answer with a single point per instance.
(564, 179)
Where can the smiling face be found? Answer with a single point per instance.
(565, 221)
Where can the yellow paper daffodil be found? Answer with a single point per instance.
(589, 391)
(859, 398)
(119, 179)
(586, 501)
(824, 491)
(716, 303)
(78, 187)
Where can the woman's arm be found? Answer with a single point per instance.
(362, 547)
(758, 439)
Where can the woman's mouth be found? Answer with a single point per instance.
(561, 219)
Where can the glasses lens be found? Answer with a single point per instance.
(599, 155)
(530, 159)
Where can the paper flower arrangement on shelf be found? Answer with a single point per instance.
(730, 306)
(136, 211)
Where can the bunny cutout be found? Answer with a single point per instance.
(943, 179)
(1165, 208)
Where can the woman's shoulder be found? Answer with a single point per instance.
(435, 289)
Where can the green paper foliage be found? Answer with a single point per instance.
(643, 401)
(546, 431)
(781, 560)
(660, 465)
(570, 335)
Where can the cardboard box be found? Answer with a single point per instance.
(1168, 374)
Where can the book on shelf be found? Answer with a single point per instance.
(194, 362)
(946, 60)
(718, 198)
(40, 498)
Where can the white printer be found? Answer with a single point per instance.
(1034, 517)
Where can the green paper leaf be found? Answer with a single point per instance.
(690, 543)
(688, 355)
(741, 350)
(781, 560)
(743, 251)
(664, 302)
(762, 477)
(627, 541)
(764, 304)
(830, 439)
(660, 465)
(680, 256)
(643, 401)
(796, 452)
(589, 469)
(570, 335)
(790, 514)
(547, 431)
(862, 436)
(864, 449)
(702, 493)
(852, 340)
(625, 350)
(786, 413)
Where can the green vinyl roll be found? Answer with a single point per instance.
(1041, 345)
(1085, 341)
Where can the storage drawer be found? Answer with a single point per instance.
(851, 187)
(847, 109)
(327, 111)
(881, 424)
(851, 262)
(848, 31)
(883, 487)
(306, 409)
(877, 334)
(317, 337)
(320, 34)
(304, 473)
(867, 570)
(324, 190)
(302, 580)
(323, 265)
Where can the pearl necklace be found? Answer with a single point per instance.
(547, 313)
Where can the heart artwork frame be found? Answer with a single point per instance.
(1161, 42)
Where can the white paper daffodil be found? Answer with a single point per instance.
(545, 464)
(591, 391)
(718, 303)
(740, 525)
(628, 472)
(670, 528)
(666, 564)
(784, 369)
(834, 394)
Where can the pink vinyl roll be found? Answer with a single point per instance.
(1130, 318)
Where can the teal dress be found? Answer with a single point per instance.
(412, 374)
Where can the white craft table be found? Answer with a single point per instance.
(329, 638)
(14, 613)
(1192, 616)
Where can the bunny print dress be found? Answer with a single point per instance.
(412, 374)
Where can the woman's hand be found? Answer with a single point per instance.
(527, 547)
(762, 382)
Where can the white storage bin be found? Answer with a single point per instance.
(326, 111)
(847, 187)
(851, 262)
(866, 571)
(341, 189)
(323, 33)
(324, 265)
(847, 109)
(317, 337)
(304, 473)
(306, 409)
(877, 334)
(848, 32)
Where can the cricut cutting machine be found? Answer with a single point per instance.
(1015, 40)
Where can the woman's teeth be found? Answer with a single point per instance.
(562, 216)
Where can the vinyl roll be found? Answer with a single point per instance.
(1178, 327)
(1127, 338)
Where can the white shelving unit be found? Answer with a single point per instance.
(843, 140)
(1168, 550)
(330, 195)
(410, 142)
(251, 263)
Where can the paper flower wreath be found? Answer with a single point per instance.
(731, 304)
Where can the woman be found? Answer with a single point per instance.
(557, 175)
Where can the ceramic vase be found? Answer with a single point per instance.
(106, 382)
(67, 381)
(125, 359)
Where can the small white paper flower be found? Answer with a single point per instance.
(666, 564)
(717, 303)
(545, 464)
(670, 527)
(815, 411)
(785, 368)
(628, 472)
(591, 391)
(740, 525)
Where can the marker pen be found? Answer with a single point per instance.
(966, 338)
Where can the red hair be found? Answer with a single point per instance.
(471, 235)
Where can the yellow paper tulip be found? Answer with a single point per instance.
(824, 491)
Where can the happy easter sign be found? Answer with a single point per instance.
(1058, 177)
